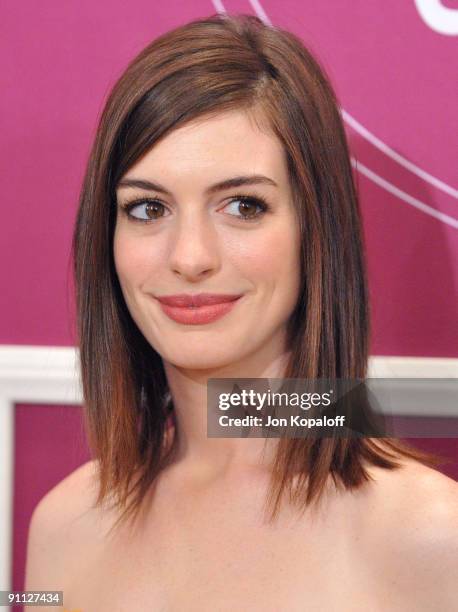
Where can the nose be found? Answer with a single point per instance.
(194, 252)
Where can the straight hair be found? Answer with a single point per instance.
(198, 70)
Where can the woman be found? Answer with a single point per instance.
(218, 236)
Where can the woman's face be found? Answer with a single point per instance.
(182, 237)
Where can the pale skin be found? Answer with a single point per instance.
(202, 543)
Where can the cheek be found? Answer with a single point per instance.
(271, 257)
(135, 258)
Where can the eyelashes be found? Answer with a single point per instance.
(155, 209)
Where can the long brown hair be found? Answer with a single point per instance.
(202, 68)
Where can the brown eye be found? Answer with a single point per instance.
(246, 208)
(145, 211)
(154, 210)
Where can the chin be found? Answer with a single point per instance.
(203, 351)
(198, 365)
(200, 358)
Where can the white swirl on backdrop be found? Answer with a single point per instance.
(438, 17)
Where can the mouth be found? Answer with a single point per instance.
(197, 309)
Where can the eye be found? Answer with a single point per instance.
(147, 210)
(246, 208)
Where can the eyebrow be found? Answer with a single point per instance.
(236, 181)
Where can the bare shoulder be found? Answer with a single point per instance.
(63, 519)
(71, 499)
(413, 514)
(417, 491)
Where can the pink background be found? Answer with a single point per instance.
(392, 73)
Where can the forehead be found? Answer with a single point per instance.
(213, 148)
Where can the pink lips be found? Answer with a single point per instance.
(197, 309)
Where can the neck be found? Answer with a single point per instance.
(189, 392)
